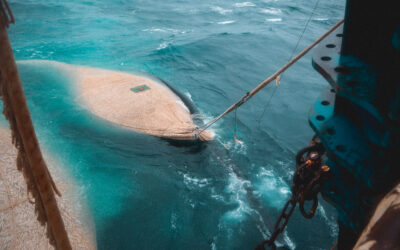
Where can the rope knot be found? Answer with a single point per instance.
(243, 100)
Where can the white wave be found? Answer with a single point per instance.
(239, 148)
(173, 220)
(321, 19)
(288, 241)
(236, 185)
(273, 19)
(165, 30)
(321, 210)
(272, 11)
(207, 117)
(213, 246)
(188, 95)
(216, 196)
(244, 4)
(288, 168)
(190, 202)
(163, 45)
(220, 10)
(155, 30)
(227, 22)
(271, 188)
(193, 182)
(237, 191)
(238, 214)
(182, 105)
(330, 222)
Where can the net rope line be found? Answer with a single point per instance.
(272, 77)
(279, 78)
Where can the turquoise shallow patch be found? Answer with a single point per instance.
(140, 188)
(140, 88)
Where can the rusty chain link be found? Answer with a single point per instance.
(308, 178)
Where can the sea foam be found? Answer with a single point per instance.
(272, 11)
(244, 4)
(227, 22)
(220, 10)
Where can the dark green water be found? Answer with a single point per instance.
(143, 192)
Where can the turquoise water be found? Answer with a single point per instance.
(143, 192)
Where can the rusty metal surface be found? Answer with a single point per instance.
(383, 230)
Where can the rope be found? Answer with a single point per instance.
(29, 159)
(5, 14)
(250, 94)
(267, 104)
(235, 129)
(223, 144)
(291, 56)
(305, 28)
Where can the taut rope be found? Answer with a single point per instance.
(274, 76)
(291, 56)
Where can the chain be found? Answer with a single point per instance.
(308, 178)
(280, 224)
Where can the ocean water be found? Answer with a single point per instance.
(143, 192)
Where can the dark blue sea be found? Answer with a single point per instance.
(144, 192)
